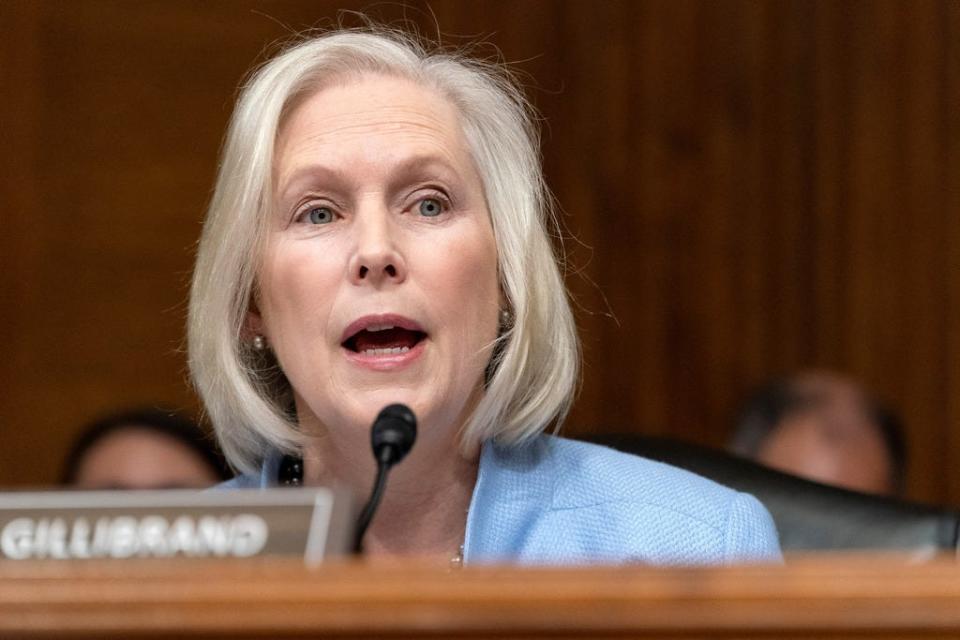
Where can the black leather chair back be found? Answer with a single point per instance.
(809, 515)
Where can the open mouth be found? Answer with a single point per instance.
(383, 340)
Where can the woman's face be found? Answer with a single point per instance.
(379, 280)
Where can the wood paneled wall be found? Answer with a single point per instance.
(749, 188)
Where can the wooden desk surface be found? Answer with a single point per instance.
(821, 597)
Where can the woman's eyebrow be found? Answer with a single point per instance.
(308, 176)
(421, 167)
(414, 167)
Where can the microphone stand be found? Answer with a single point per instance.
(391, 437)
(383, 468)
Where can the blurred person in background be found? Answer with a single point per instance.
(826, 427)
(143, 449)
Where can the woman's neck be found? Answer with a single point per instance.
(424, 506)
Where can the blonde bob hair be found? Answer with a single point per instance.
(531, 379)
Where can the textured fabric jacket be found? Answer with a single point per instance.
(559, 501)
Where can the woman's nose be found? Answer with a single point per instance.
(376, 259)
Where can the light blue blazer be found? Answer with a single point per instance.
(559, 501)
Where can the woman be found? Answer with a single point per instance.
(379, 233)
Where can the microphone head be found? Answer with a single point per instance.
(393, 433)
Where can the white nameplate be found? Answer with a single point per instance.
(80, 525)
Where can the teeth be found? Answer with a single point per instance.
(385, 352)
(379, 327)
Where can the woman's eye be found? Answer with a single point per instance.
(430, 207)
(320, 215)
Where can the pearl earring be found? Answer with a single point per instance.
(505, 317)
(259, 343)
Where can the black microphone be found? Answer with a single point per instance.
(391, 437)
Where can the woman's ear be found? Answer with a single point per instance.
(253, 324)
(505, 315)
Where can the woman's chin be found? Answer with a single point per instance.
(362, 407)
